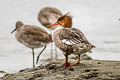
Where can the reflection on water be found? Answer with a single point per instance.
(97, 20)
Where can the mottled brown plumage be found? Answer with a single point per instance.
(32, 36)
(70, 40)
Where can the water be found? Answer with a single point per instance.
(98, 20)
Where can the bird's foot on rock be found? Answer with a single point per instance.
(66, 65)
(75, 63)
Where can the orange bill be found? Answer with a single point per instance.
(52, 25)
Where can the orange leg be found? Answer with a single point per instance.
(78, 62)
(66, 62)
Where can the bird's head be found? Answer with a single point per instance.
(64, 21)
(18, 25)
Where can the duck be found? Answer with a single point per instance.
(70, 40)
(32, 37)
(47, 16)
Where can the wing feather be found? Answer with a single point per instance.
(72, 36)
(36, 33)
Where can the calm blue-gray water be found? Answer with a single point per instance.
(97, 19)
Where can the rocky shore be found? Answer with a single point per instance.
(54, 70)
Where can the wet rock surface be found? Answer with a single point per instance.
(86, 70)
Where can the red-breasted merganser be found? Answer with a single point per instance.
(70, 40)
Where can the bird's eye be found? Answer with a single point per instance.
(18, 25)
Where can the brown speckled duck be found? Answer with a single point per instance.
(32, 37)
(70, 40)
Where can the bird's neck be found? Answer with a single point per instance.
(57, 28)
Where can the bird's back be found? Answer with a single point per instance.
(71, 40)
(33, 36)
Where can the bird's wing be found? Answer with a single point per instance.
(72, 36)
(36, 33)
